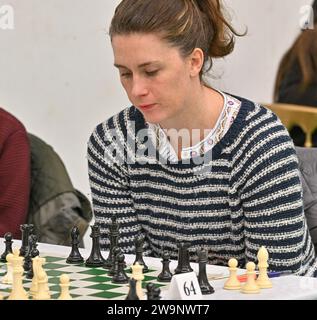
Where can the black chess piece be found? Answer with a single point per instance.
(132, 290)
(204, 284)
(27, 230)
(149, 290)
(139, 241)
(34, 253)
(183, 258)
(8, 246)
(165, 275)
(114, 236)
(153, 292)
(156, 293)
(115, 252)
(95, 259)
(75, 256)
(27, 265)
(120, 276)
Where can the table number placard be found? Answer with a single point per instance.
(184, 286)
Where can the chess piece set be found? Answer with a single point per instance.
(115, 262)
(116, 265)
(27, 260)
(253, 284)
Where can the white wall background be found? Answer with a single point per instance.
(57, 74)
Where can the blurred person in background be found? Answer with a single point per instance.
(296, 81)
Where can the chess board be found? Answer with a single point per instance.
(85, 283)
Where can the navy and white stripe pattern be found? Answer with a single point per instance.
(251, 197)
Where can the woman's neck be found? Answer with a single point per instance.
(197, 119)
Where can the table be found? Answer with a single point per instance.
(284, 288)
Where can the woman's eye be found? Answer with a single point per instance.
(125, 75)
(151, 73)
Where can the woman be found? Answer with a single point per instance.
(296, 80)
(187, 162)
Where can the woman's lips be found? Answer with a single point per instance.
(146, 107)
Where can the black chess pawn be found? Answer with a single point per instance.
(8, 246)
(114, 236)
(204, 284)
(34, 253)
(115, 252)
(27, 230)
(153, 292)
(120, 276)
(95, 259)
(75, 256)
(183, 258)
(139, 241)
(165, 275)
(132, 290)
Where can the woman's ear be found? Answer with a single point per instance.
(196, 60)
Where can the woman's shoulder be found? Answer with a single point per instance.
(121, 123)
(253, 114)
(255, 126)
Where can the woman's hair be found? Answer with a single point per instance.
(303, 52)
(185, 24)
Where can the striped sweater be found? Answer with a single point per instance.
(250, 197)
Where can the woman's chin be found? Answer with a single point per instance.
(152, 118)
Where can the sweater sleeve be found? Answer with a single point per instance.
(109, 183)
(271, 198)
(14, 183)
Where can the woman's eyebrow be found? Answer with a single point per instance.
(142, 65)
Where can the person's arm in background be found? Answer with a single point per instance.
(14, 182)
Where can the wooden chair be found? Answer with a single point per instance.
(302, 116)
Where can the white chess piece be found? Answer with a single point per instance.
(64, 284)
(18, 292)
(263, 280)
(35, 266)
(250, 286)
(42, 293)
(137, 275)
(8, 277)
(232, 283)
(39, 291)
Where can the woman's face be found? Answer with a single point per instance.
(156, 78)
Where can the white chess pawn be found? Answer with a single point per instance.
(232, 283)
(250, 286)
(64, 284)
(263, 280)
(8, 277)
(137, 275)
